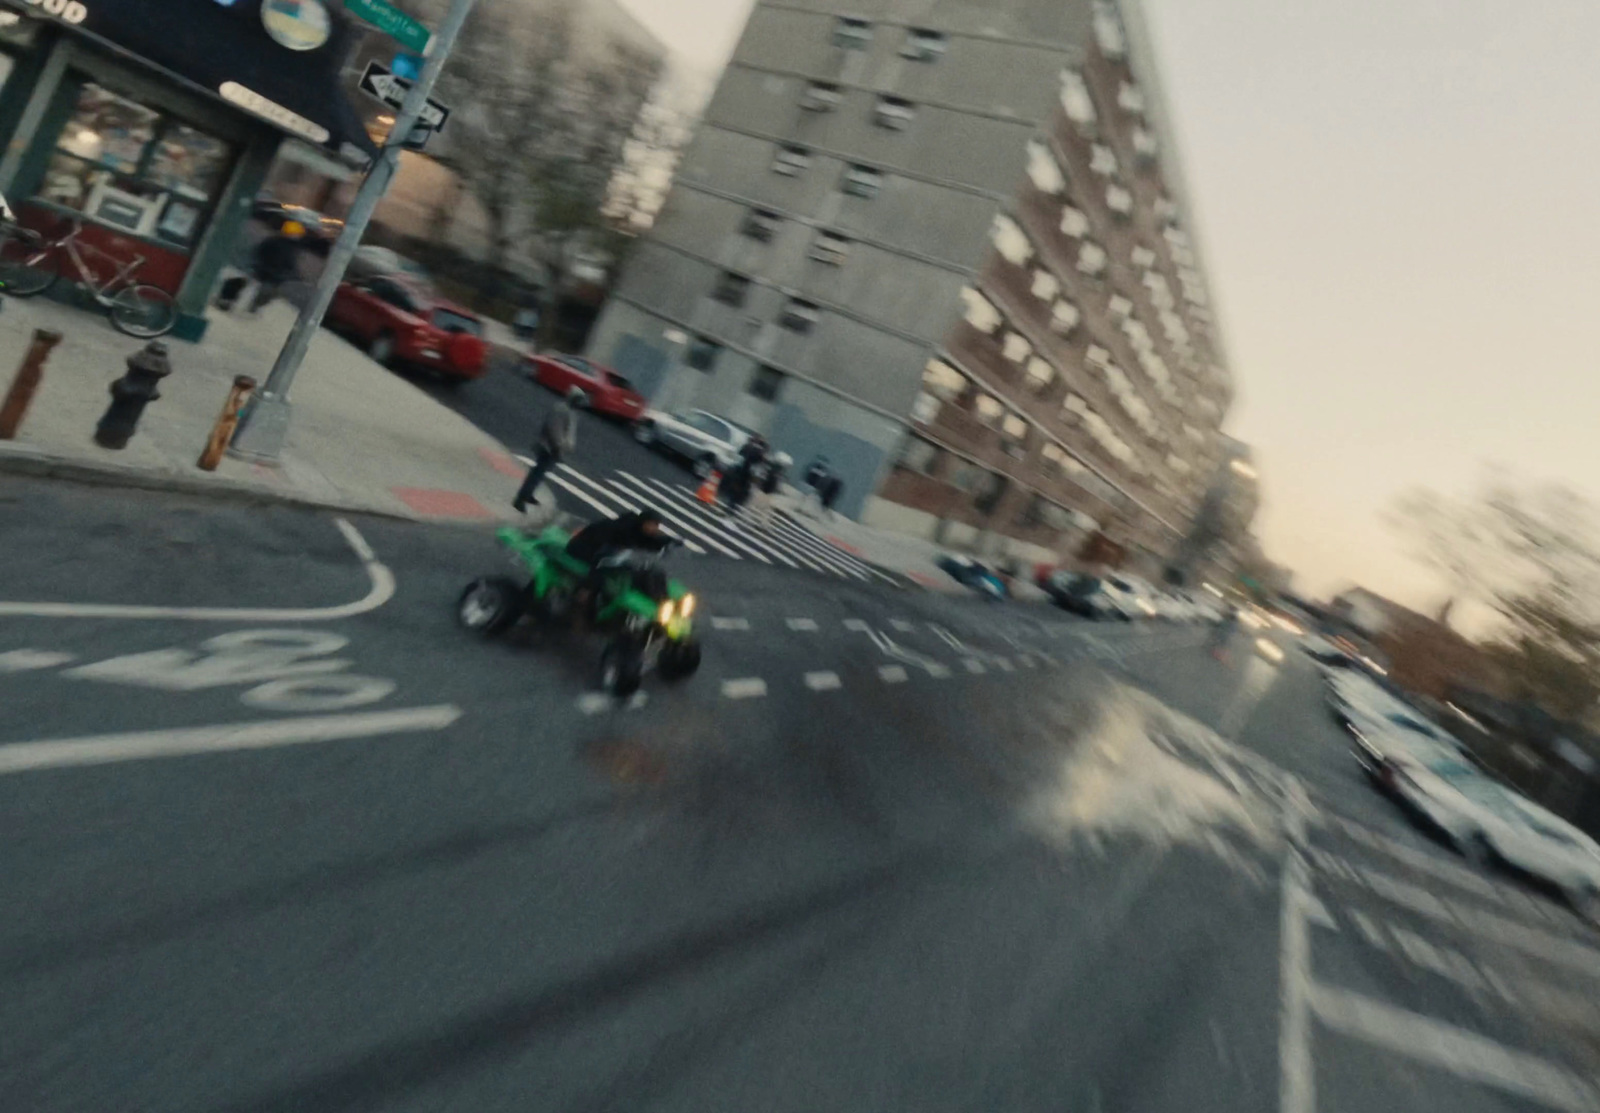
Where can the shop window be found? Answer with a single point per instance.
(702, 353)
(799, 316)
(731, 289)
(852, 34)
(862, 181)
(766, 384)
(791, 162)
(122, 164)
(760, 224)
(923, 45)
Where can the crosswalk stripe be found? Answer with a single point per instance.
(575, 492)
(688, 513)
(787, 553)
(800, 540)
(679, 519)
(803, 535)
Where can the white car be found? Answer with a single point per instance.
(1489, 823)
(710, 443)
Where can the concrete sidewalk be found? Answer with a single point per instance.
(362, 437)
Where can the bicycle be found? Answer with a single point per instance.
(31, 264)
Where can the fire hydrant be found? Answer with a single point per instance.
(131, 394)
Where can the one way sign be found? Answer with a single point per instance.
(382, 85)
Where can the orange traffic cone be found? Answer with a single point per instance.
(708, 490)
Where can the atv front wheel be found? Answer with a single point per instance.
(621, 669)
(679, 660)
(489, 605)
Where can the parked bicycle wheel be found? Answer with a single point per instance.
(27, 263)
(143, 311)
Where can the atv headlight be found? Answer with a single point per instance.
(686, 606)
(664, 615)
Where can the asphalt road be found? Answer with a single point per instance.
(276, 835)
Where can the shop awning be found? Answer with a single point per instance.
(225, 48)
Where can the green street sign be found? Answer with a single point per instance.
(391, 21)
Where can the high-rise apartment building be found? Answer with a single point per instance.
(947, 246)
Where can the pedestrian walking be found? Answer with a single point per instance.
(831, 490)
(817, 477)
(558, 436)
(743, 477)
(764, 510)
(274, 263)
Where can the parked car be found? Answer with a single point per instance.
(974, 574)
(1090, 596)
(402, 323)
(710, 443)
(604, 391)
(1492, 825)
(371, 260)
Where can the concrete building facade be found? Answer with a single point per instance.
(944, 244)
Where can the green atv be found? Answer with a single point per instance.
(649, 617)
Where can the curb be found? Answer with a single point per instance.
(44, 465)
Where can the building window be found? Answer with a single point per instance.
(1102, 160)
(917, 455)
(894, 113)
(1165, 209)
(862, 181)
(1144, 143)
(1010, 240)
(989, 409)
(852, 34)
(1142, 257)
(1073, 407)
(831, 249)
(766, 383)
(1074, 223)
(941, 383)
(1091, 258)
(991, 488)
(702, 353)
(1015, 347)
(1045, 285)
(1075, 99)
(1064, 317)
(1108, 30)
(1043, 171)
(131, 167)
(1119, 307)
(1014, 432)
(799, 316)
(791, 162)
(923, 45)
(821, 97)
(1119, 200)
(1131, 98)
(731, 289)
(760, 224)
(1040, 374)
(979, 311)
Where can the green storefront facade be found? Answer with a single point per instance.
(155, 123)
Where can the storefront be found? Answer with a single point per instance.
(154, 123)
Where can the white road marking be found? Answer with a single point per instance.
(707, 520)
(239, 657)
(721, 622)
(318, 693)
(892, 674)
(1026, 661)
(378, 575)
(1296, 1078)
(685, 524)
(593, 703)
(948, 638)
(823, 681)
(1465, 1054)
(858, 625)
(103, 749)
(1003, 664)
(637, 701)
(1318, 913)
(751, 687)
(808, 625)
(27, 660)
(902, 625)
(974, 665)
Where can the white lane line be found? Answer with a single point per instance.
(1296, 1077)
(948, 638)
(686, 524)
(380, 592)
(823, 681)
(892, 674)
(103, 749)
(624, 499)
(1026, 661)
(1004, 665)
(708, 520)
(902, 625)
(806, 624)
(1459, 876)
(722, 622)
(1318, 913)
(26, 660)
(1462, 1053)
(858, 625)
(751, 687)
(593, 703)
(974, 665)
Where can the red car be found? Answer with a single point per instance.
(401, 322)
(606, 391)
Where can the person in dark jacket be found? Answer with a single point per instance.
(275, 262)
(742, 479)
(557, 437)
(597, 540)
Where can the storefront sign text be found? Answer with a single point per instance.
(67, 11)
(252, 101)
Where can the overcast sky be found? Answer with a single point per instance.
(1396, 199)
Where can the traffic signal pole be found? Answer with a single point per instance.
(264, 425)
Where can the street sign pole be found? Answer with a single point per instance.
(264, 425)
